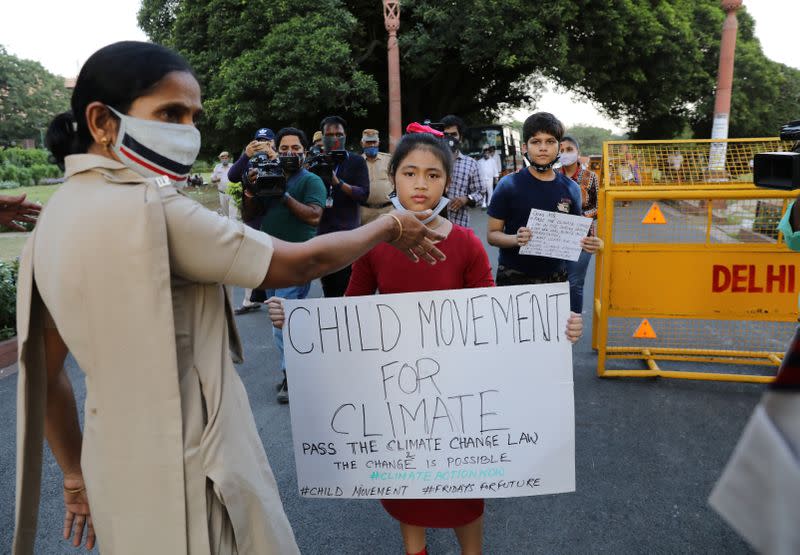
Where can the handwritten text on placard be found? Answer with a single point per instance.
(555, 234)
(462, 393)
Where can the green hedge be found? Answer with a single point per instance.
(24, 157)
(26, 166)
(8, 299)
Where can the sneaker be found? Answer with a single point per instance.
(280, 384)
(283, 393)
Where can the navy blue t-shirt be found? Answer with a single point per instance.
(512, 201)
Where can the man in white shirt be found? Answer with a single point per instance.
(219, 178)
(496, 157)
(487, 169)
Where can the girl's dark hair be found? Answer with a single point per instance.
(542, 122)
(115, 75)
(424, 141)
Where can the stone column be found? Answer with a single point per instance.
(391, 19)
(722, 102)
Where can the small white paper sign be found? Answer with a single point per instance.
(443, 394)
(556, 235)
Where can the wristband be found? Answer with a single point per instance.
(286, 196)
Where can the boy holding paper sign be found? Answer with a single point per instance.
(536, 186)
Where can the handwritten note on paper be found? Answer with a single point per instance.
(442, 394)
(556, 235)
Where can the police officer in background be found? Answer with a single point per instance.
(380, 187)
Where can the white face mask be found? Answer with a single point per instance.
(569, 158)
(156, 149)
(439, 207)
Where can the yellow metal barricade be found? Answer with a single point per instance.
(693, 270)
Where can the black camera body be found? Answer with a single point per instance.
(269, 180)
(323, 163)
(780, 170)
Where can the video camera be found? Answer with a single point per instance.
(269, 181)
(780, 170)
(324, 163)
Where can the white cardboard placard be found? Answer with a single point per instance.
(555, 234)
(446, 394)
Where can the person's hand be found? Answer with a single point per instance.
(267, 147)
(251, 148)
(215, 179)
(591, 244)
(574, 327)
(252, 173)
(335, 181)
(77, 516)
(523, 236)
(415, 239)
(16, 210)
(457, 203)
(275, 311)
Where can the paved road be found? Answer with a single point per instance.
(648, 453)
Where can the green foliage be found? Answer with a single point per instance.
(8, 299)
(25, 157)
(264, 62)
(26, 166)
(22, 176)
(42, 171)
(652, 64)
(765, 95)
(236, 192)
(29, 98)
(591, 138)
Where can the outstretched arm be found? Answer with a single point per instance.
(14, 210)
(294, 263)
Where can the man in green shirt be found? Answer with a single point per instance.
(294, 217)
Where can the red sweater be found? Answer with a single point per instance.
(386, 270)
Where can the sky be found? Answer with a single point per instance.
(61, 35)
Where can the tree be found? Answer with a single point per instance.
(29, 98)
(765, 95)
(591, 137)
(652, 64)
(262, 62)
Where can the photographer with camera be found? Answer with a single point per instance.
(348, 188)
(264, 141)
(291, 200)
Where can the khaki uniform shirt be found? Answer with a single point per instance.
(380, 187)
(132, 273)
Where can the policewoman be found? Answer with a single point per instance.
(127, 274)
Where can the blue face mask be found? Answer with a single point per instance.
(371, 151)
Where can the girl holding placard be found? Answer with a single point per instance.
(420, 169)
